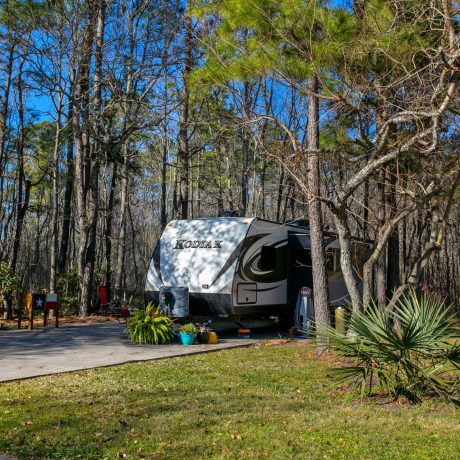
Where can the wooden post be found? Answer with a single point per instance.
(29, 309)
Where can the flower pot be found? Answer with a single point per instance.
(212, 339)
(187, 338)
(202, 337)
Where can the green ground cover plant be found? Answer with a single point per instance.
(149, 326)
(272, 402)
(410, 351)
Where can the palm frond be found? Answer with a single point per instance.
(404, 352)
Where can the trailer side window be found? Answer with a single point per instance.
(267, 258)
(301, 258)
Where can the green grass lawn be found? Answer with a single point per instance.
(264, 402)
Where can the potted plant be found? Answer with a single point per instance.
(188, 333)
(203, 332)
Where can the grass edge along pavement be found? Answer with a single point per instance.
(259, 402)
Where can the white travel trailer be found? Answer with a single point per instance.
(241, 267)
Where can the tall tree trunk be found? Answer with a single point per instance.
(55, 199)
(366, 208)
(245, 151)
(393, 279)
(164, 163)
(23, 184)
(122, 227)
(184, 154)
(69, 183)
(87, 150)
(318, 257)
(220, 186)
(228, 175)
(279, 199)
(381, 266)
(263, 174)
(346, 261)
(4, 120)
(191, 191)
(199, 182)
(109, 232)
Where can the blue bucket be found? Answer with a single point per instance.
(187, 338)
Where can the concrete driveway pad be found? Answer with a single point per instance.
(25, 354)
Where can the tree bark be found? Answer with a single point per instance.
(393, 278)
(184, 153)
(346, 262)
(122, 227)
(164, 163)
(23, 184)
(320, 285)
(109, 231)
(245, 151)
(87, 149)
(55, 200)
(69, 184)
(4, 119)
(279, 199)
(381, 266)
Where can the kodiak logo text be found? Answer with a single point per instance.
(185, 244)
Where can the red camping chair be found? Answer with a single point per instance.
(104, 307)
(114, 309)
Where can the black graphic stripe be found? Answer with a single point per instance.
(233, 256)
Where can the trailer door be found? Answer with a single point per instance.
(299, 265)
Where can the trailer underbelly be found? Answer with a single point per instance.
(208, 304)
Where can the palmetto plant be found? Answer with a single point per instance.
(150, 326)
(412, 350)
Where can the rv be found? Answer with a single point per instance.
(241, 267)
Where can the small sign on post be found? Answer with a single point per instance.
(51, 303)
(34, 302)
(40, 302)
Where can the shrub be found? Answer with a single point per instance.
(410, 351)
(149, 326)
(68, 305)
(68, 282)
(189, 328)
(9, 281)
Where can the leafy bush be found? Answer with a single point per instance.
(189, 328)
(68, 282)
(68, 304)
(9, 281)
(149, 326)
(67, 287)
(411, 351)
